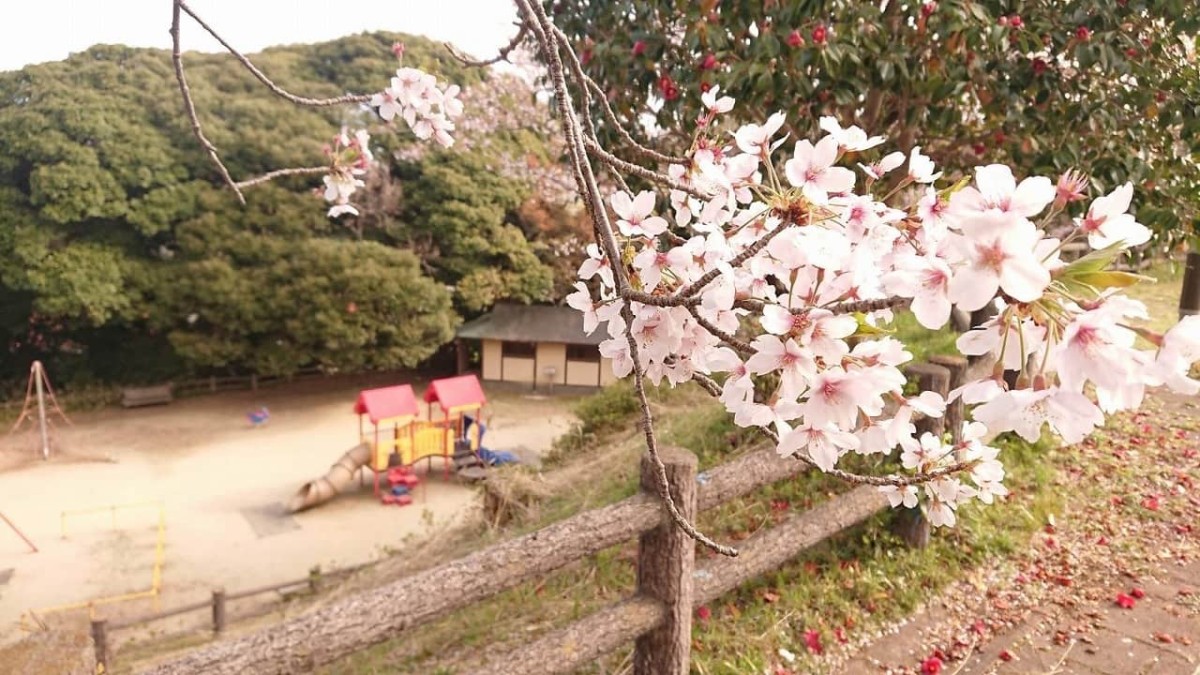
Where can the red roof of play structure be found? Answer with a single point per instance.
(385, 402)
(452, 392)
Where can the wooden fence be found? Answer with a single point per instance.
(657, 618)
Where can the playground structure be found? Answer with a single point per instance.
(28, 542)
(38, 393)
(31, 620)
(397, 440)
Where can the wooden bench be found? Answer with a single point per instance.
(133, 397)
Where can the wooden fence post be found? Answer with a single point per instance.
(100, 640)
(955, 412)
(911, 524)
(930, 377)
(665, 561)
(218, 610)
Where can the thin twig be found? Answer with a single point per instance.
(738, 344)
(893, 302)
(280, 173)
(606, 157)
(189, 106)
(261, 77)
(502, 56)
(611, 115)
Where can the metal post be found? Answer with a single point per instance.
(1189, 296)
(38, 374)
(100, 640)
(218, 610)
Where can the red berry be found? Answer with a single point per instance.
(1131, 52)
(1137, 592)
(819, 34)
(931, 666)
(703, 613)
(998, 138)
(1039, 66)
(928, 8)
(639, 48)
(979, 148)
(708, 62)
(1003, 21)
(795, 39)
(1015, 21)
(1006, 656)
(1160, 96)
(1082, 33)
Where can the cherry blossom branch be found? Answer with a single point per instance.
(606, 157)
(737, 343)
(878, 481)
(710, 385)
(261, 77)
(189, 105)
(534, 16)
(280, 173)
(507, 49)
(652, 446)
(864, 306)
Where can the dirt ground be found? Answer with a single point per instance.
(221, 485)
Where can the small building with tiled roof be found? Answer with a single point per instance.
(539, 345)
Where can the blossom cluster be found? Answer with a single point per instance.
(413, 96)
(351, 155)
(777, 284)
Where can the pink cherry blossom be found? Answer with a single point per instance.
(716, 105)
(796, 365)
(996, 188)
(925, 279)
(921, 168)
(634, 219)
(1070, 414)
(812, 169)
(851, 138)
(823, 445)
(889, 162)
(755, 139)
(1107, 222)
(995, 248)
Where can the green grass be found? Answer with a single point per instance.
(1160, 295)
(921, 341)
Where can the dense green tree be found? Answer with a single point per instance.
(1108, 86)
(456, 217)
(123, 257)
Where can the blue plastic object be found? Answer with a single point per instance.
(399, 490)
(497, 457)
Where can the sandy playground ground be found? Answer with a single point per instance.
(221, 485)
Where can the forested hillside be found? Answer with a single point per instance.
(123, 259)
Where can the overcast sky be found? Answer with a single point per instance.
(34, 31)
